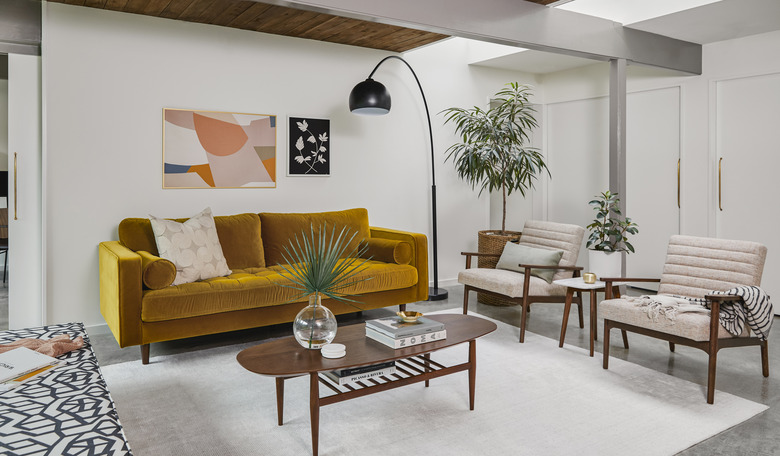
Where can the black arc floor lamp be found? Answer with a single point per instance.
(372, 98)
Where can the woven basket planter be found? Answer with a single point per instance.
(490, 241)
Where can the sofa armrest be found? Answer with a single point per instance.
(121, 290)
(419, 243)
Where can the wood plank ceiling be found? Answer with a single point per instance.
(278, 20)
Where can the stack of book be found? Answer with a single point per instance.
(21, 364)
(396, 333)
(354, 374)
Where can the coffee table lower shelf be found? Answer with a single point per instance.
(410, 370)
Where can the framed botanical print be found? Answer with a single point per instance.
(308, 147)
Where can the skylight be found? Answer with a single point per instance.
(631, 11)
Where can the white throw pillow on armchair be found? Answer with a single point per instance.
(193, 247)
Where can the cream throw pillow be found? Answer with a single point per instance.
(193, 247)
(514, 255)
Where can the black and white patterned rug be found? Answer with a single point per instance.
(68, 411)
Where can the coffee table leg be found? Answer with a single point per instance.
(472, 371)
(280, 399)
(314, 404)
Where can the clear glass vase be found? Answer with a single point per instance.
(315, 325)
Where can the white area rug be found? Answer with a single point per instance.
(532, 399)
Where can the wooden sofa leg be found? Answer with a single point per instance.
(145, 353)
(605, 349)
(401, 307)
(765, 358)
(671, 346)
(625, 338)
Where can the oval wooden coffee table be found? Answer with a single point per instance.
(285, 358)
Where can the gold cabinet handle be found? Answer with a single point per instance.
(720, 184)
(15, 192)
(678, 183)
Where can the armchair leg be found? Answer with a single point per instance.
(466, 299)
(523, 320)
(765, 358)
(605, 350)
(711, 377)
(145, 353)
(671, 346)
(625, 338)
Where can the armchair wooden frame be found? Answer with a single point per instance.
(525, 301)
(710, 346)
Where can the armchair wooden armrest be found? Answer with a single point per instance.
(608, 281)
(721, 298)
(540, 266)
(468, 256)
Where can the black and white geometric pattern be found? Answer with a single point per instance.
(68, 411)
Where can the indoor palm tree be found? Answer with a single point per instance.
(493, 154)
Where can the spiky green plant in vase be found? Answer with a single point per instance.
(321, 264)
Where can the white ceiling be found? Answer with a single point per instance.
(697, 21)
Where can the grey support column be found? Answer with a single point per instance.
(617, 133)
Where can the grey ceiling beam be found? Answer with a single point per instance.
(519, 23)
(20, 27)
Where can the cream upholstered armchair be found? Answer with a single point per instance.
(527, 282)
(695, 268)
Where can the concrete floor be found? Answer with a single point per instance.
(739, 369)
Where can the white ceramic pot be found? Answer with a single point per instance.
(605, 264)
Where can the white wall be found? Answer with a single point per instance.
(104, 99)
(107, 77)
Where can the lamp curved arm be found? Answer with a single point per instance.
(425, 103)
(435, 293)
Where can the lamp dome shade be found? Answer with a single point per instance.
(369, 97)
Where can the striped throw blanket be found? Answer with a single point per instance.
(754, 309)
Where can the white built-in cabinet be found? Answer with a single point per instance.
(652, 176)
(745, 120)
(25, 262)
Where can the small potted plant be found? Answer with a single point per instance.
(321, 264)
(609, 233)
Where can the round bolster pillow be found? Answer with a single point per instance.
(156, 272)
(389, 250)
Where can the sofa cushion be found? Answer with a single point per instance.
(258, 287)
(388, 250)
(156, 272)
(193, 246)
(239, 235)
(280, 229)
(690, 325)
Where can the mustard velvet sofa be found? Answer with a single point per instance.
(141, 307)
